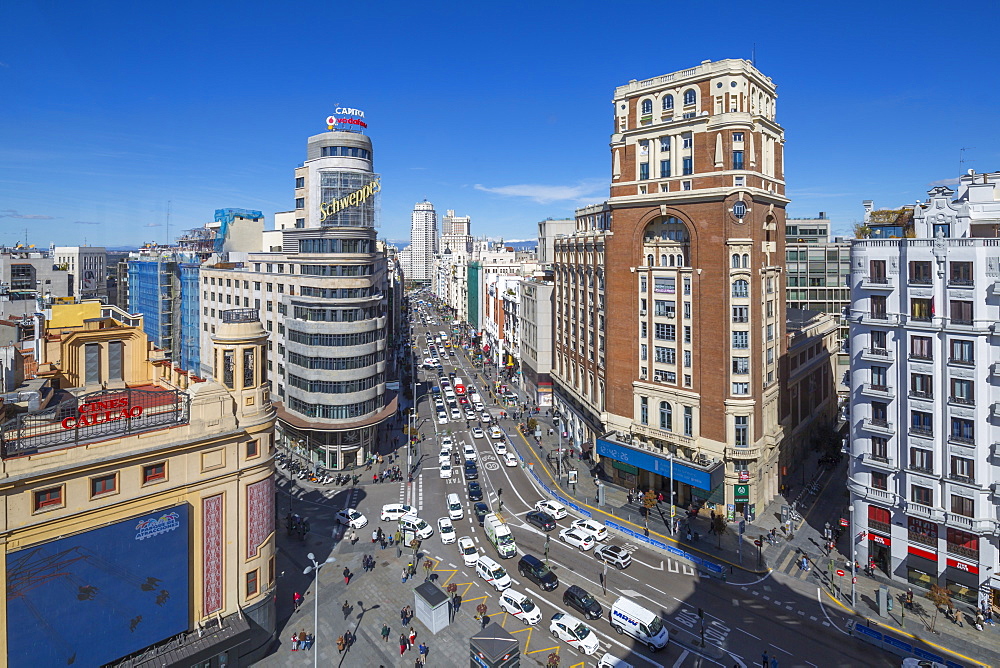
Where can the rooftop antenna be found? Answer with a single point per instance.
(961, 157)
(753, 55)
(168, 223)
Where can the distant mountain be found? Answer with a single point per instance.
(528, 245)
(400, 244)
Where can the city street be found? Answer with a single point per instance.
(744, 616)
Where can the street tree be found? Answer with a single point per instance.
(720, 526)
(648, 502)
(941, 598)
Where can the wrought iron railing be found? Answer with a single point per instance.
(93, 417)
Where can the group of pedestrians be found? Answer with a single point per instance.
(302, 640)
(345, 642)
(391, 474)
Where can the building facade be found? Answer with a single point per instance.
(87, 265)
(28, 275)
(924, 432)
(418, 258)
(138, 502)
(536, 337)
(693, 266)
(325, 302)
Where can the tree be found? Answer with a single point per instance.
(720, 526)
(649, 501)
(941, 598)
(861, 231)
(553, 661)
(532, 424)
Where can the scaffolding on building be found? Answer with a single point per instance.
(226, 217)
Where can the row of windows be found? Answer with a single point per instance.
(336, 386)
(323, 411)
(690, 97)
(335, 314)
(920, 272)
(339, 293)
(337, 269)
(335, 363)
(922, 460)
(960, 312)
(336, 246)
(344, 152)
(666, 414)
(353, 339)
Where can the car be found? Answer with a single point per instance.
(614, 555)
(495, 431)
(541, 519)
(553, 508)
(456, 414)
(462, 401)
(577, 538)
(447, 442)
(352, 518)
(393, 511)
(442, 417)
(477, 432)
(470, 555)
(475, 491)
(471, 471)
(517, 604)
(595, 529)
(470, 414)
(446, 530)
(571, 630)
(534, 569)
(445, 470)
(510, 459)
(481, 510)
(469, 451)
(500, 447)
(578, 598)
(485, 418)
(913, 662)
(444, 455)
(438, 405)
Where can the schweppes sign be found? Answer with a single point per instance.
(328, 209)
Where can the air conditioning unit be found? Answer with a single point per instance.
(642, 376)
(642, 312)
(671, 316)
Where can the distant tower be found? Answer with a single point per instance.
(423, 242)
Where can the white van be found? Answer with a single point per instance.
(455, 510)
(492, 572)
(416, 526)
(629, 617)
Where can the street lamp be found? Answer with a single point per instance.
(854, 557)
(309, 569)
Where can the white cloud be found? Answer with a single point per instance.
(12, 213)
(153, 225)
(85, 222)
(544, 194)
(944, 182)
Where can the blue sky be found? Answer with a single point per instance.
(501, 111)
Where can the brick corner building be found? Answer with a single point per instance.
(681, 368)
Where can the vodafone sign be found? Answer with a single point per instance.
(346, 116)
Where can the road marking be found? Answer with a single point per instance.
(680, 659)
(819, 599)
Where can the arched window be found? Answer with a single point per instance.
(746, 261)
(649, 260)
(663, 260)
(666, 416)
(668, 102)
(671, 260)
(647, 106)
(680, 260)
(736, 261)
(741, 288)
(689, 96)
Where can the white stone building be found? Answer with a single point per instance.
(924, 372)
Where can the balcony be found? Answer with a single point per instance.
(924, 432)
(881, 527)
(963, 551)
(922, 538)
(743, 453)
(970, 524)
(876, 283)
(923, 470)
(964, 479)
(878, 391)
(961, 283)
(879, 461)
(920, 280)
(877, 355)
(879, 426)
(926, 395)
(878, 318)
(962, 440)
(926, 512)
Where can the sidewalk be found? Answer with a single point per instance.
(964, 643)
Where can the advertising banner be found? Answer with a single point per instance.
(90, 598)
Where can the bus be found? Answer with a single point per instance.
(459, 385)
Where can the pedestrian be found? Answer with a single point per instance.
(349, 639)
(774, 662)
(295, 642)
(310, 638)
(354, 537)
(385, 632)
(764, 660)
(347, 609)
(402, 616)
(374, 536)
(603, 584)
(296, 600)
(630, 497)
(423, 651)
(959, 617)
(402, 644)
(909, 598)
(341, 645)
(413, 636)
(347, 575)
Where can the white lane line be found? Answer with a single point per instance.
(680, 660)
(819, 599)
(779, 648)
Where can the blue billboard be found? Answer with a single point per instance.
(93, 597)
(661, 465)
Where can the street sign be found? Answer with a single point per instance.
(741, 492)
(840, 572)
(743, 527)
(843, 521)
(854, 580)
(758, 542)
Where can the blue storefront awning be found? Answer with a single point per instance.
(648, 461)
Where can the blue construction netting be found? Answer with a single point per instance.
(226, 216)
